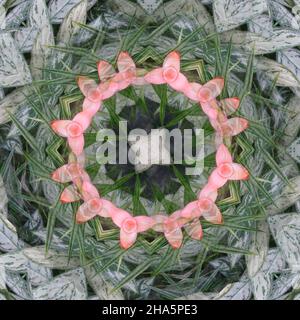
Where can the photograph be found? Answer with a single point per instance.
(149, 156)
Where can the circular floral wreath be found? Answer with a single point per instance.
(82, 188)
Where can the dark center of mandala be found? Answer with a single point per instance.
(161, 178)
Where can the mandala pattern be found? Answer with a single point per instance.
(81, 187)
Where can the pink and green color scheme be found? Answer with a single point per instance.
(81, 187)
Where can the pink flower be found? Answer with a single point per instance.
(194, 229)
(225, 128)
(130, 226)
(108, 87)
(191, 90)
(211, 90)
(70, 194)
(111, 82)
(71, 172)
(92, 93)
(169, 73)
(128, 70)
(226, 169)
(171, 227)
(223, 108)
(206, 95)
(93, 205)
(230, 105)
(205, 206)
(217, 112)
(228, 128)
(73, 130)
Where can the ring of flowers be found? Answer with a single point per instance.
(82, 188)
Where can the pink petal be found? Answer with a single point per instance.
(191, 210)
(108, 208)
(237, 125)
(84, 214)
(76, 144)
(67, 173)
(171, 223)
(155, 76)
(177, 216)
(215, 124)
(61, 174)
(89, 88)
(215, 180)
(85, 176)
(119, 215)
(239, 172)
(80, 159)
(223, 155)
(81, 175)
(86, 85)
(108, 89)
(191, 90)
(211, 90)
(219, 139)
(84, 119)
(91, 108)
(180, 83)
(125, 62)
(105, 70)
(209, 192)
(222, 118)
(60, 126)
(75, 170)
(144, 223)
(159, 220)
(194, 230)
(127, 239)
(139, 81)
(70, 194)
(172, 60)
(122, 80)
(214, 215)
(209, 110)
(89, 191)
(230, 105)
(175, 237)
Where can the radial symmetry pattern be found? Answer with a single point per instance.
(217, 111)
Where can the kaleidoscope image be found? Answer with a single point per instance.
(149, 150)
